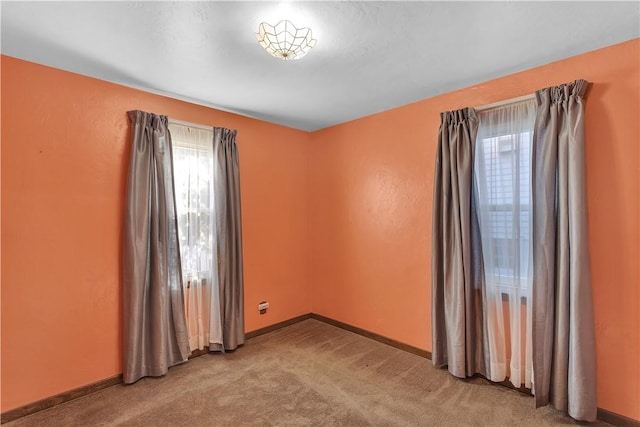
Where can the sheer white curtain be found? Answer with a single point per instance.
(503, 193)
(194, 174)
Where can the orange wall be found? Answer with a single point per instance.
(346, 235)
(372, 181)
(65, 153)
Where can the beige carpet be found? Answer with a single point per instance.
(309, 373)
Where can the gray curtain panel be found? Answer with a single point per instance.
(563, 332)
(154, 335)
(457, 300)
(229, 233)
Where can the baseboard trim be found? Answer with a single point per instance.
(40, 405)
(616, 419)
(277, 326)
(198, 353)
(603, 414)
(66, 396)
(23, 411)
(372, 335)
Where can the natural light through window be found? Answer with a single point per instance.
(503, 200)
(193, 178)
(506, 195)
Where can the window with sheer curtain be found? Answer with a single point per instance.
(526, 160)
(502, 176)
(193, 177)
(505, 191)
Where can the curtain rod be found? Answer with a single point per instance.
(505, 102)
(191, 125)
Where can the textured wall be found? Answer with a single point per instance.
(346, 209)
(65, 154)
(372, 181)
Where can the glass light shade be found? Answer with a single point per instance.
(284, 40)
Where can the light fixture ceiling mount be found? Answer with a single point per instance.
(284, 40)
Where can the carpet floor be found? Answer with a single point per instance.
(309, 373)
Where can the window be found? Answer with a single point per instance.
(502, 184)
(503, 192)
(193, 164)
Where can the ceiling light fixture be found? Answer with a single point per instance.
(284, 40)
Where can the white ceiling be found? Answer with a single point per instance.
(370, 56)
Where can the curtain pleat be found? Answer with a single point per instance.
(229, 243)
(154, 325)
(457, 302)
(563, 334)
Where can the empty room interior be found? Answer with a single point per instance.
(337, 262)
